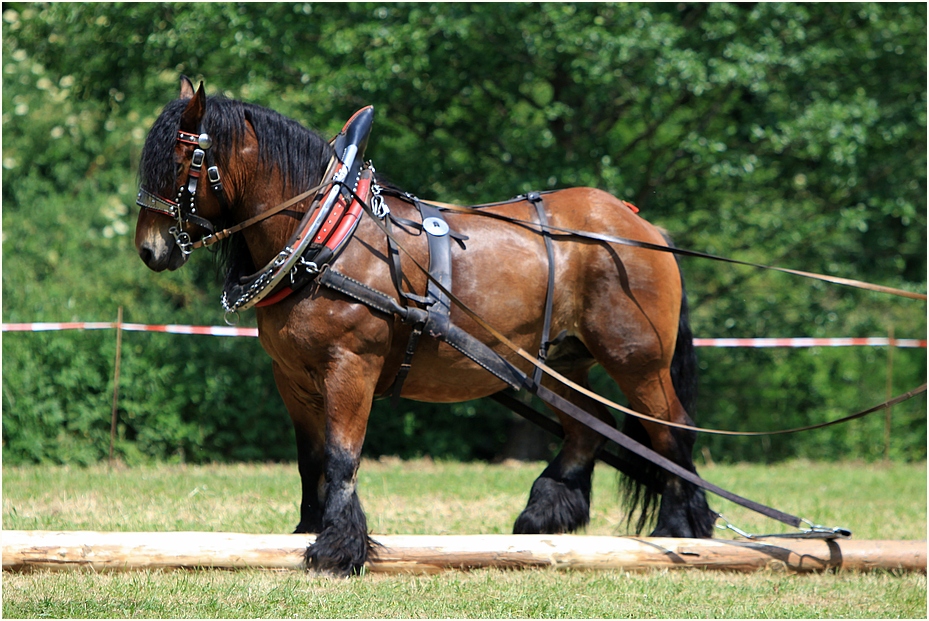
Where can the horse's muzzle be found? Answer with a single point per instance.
(156, 246)
(162, 258)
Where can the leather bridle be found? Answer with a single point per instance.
(184, 206)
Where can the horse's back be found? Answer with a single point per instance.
(639, 277)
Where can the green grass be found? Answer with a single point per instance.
(476, 594)
(876, 501)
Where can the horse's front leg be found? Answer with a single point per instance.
(342, 545)
(308, 416)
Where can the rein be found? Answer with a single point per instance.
(550, 229)
(209, 240)
(603, 400)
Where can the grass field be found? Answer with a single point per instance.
(876, 501)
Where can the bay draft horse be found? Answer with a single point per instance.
(622, 307)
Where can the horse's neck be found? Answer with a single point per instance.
(261, 187)
(268, 237)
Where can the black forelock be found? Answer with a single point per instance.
(156, 165)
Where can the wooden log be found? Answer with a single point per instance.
(25, 550)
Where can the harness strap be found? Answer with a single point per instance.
(440, 268)
(664, 463)
(407, 363)
(438, 303)
(396, 270)
(614, 239)
(510, 401)
(461, 238)
(361, 292)
(493, 362)
(536, 199)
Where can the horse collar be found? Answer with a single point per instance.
(326, 228)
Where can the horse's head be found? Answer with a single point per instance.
(181, 194)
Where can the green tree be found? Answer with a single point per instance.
(792, 134)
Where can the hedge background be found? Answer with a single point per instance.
(792, 134)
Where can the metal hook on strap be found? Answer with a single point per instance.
(815, 531)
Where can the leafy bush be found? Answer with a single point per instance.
(792, 134)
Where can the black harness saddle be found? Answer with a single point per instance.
(436, 303)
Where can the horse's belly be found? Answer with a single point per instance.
(442, 374)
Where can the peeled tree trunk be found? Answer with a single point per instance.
(29, 550)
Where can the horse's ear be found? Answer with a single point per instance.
(193, 113)
(187, 88)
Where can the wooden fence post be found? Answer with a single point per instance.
(119, 347)
(890, 386)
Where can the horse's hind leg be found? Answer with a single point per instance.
(559, 501)
(683, 511)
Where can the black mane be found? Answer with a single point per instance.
(300, 154)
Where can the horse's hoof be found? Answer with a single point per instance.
(337, 566)
(554, 508)
(337, 555)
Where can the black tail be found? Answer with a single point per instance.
(684, 362)
(643, 499)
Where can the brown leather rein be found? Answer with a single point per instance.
(858, 284)
(619, 240)
(209, 240)
(535, 226)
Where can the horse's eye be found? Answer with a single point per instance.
(178, 169)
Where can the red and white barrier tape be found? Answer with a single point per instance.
(878, 341)
(808, 342)
(130, 327)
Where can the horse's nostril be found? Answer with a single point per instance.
(146, 255)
